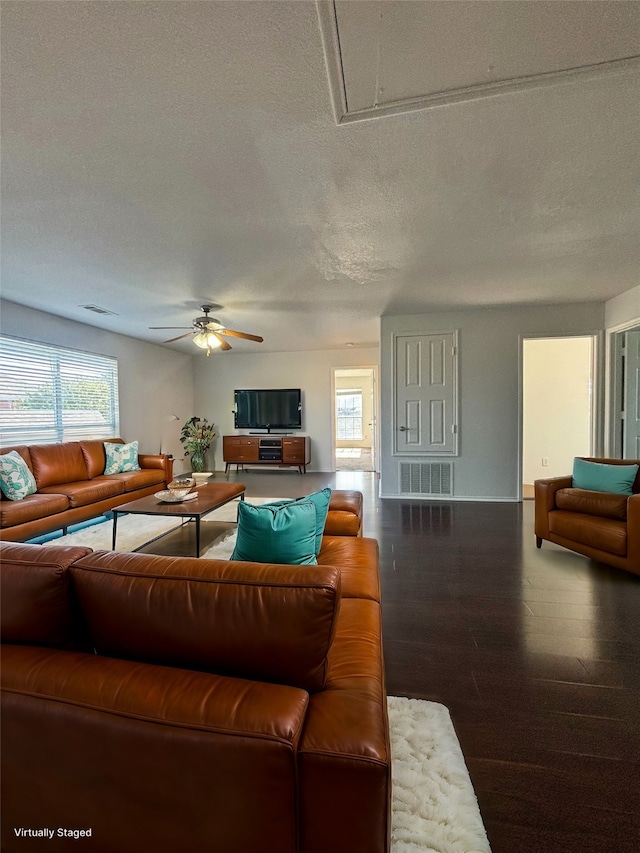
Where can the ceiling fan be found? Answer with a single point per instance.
(208, 333)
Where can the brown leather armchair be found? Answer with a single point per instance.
(600, 525)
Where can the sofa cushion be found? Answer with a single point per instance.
(144, 755)
(36, 599)
(87, 491)
(132, 480)
(121, 457)
(605, 504)
(31, 508)
(250, 620)
(605, 534)
(53, 464)
(94, 456)
(16, 479)
(276, 533)
(599, 477)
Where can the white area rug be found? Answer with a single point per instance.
(435, 809)
(135, 530)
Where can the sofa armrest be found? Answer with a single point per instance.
(344, 517)
(633, 533)
(545, 501)
(157, 460)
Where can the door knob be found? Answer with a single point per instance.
(404, 429)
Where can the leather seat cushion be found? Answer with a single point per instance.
(31, 508)
(355, 557)
(133, 480)
(606, 534)
(87, 491)
(604, 504)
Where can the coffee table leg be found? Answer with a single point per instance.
(115, 525)
(197, 536)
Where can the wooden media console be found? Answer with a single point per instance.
(267, 449)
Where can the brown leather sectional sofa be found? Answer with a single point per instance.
(176, 704)
(600, 525)
(72, 486)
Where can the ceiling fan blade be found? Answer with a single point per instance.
(168, 327)
(244, 335)
(179, 338)
(224, 345)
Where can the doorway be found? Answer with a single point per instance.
(558, 406)
(355, 408)
(625, 400)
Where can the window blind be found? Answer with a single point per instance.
(51, 394)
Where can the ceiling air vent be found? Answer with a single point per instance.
(426, 478)
(97, 309)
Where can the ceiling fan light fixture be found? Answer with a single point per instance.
(206, 340)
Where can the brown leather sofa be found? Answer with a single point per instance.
(173, 704)
(600, 525)
(72, 486)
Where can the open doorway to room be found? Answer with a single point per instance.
(558, 406)
(624, 421)
(355, 407)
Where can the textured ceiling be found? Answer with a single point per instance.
(157, 156)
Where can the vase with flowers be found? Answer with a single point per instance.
(196, 437)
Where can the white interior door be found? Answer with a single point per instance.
(426, 397)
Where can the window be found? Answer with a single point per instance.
(349, 414)
(50, 394)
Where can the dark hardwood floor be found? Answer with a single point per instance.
(536, 654)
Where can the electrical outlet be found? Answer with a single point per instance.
(545, 461)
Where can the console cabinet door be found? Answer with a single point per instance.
(294, 450)
(240, 448)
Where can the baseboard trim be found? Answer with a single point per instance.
(448, 498)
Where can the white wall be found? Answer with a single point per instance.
(488, 464)
(217, 377)
(153, 381)
(557, 405)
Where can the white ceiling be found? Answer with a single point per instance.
(157, 156)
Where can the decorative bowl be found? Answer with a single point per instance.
(173, 496)
(201, 477)
(180, 494)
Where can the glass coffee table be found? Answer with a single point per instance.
(209, 497)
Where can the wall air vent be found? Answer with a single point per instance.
(98, 310)
(426, 478)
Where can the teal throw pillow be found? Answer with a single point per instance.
(599, 477)
(285, 533)
(321, 502)
(121, 457)
(16, 479)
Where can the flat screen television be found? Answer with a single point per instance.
(268, 408)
